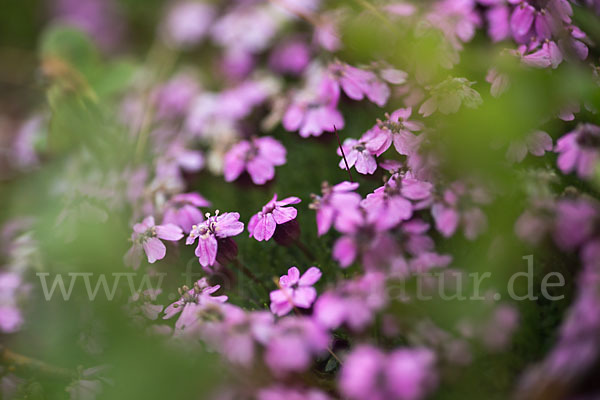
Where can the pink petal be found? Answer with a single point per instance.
(304, 296)
(284, 214)
(310, 277)
(293, 275)
(207, 250)
(344, 251)
(261, 170)
(169, 232)
(155, 249)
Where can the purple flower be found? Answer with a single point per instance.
(575, 222)
(262, 225)
(396, 129)
(147, 235)
(174, 98)
(358, 83)
(338, 205)
(11, 319)
(182, 210)
(549, 55)
(210, 231)
(200, 293)
(405, 374)
(390, 204)
(456, 208)
(357, 156)
(187, 23)
(290, 57)
(314, 111)
(295, 291)
(536, 143)
(259, 156)
(579, 150)
(353, 303)
(293, 343)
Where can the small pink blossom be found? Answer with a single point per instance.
(338, 205)
(396, 129)
(210, 231)
(146, 235)
(258, 156)
(182, 210)
(357, 156)
(579, 150)
(359, 83)
(262, 225)
(314, 111)
(295, 291)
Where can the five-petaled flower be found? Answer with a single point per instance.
(295, 290)
(146, 235)
(263, 224)
(258, 156)
(210, 231)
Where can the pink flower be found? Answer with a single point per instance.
(338, 205)
(182, 210)
(210, 232)
(549, 55)
(147, 235)
(358, 83)
(295, 291)
(258, 156)
(358, 156)
(579, 150)
(187, 23)
(200, 293)
(405, 374)
(262, 225)
(353, 303)
(396, 129)
(290, 57)
(314, 112)
(293, 344)
(390, 204)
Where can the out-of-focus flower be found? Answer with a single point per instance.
(352, 303)
(338, 205)
(405, 374)
(214, 229)
(579, 150)
(290, 57)
(146, 235)
(187, 23)
(536, 143)
(293, 344)
(182, 210)
(313, 110)
(200, 293)
(359, 83)
(258, 156)
(262, 225)
(498, 80)
(295, 290)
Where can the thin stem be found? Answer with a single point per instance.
(20, 361)
(343, 154)
(305, 250)
(248, 273)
